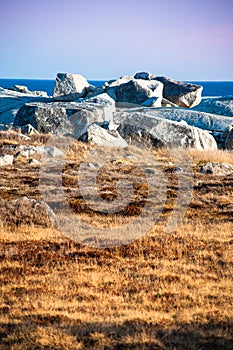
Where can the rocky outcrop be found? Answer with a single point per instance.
(66, 117)
(217, 105)
(216, 168)
(69, 87)
(100, 136)
(205, 121)
(128, 90)
(141, 129)
(182, 94)
(12, 101)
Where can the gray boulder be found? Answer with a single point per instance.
(141, 129)
(100, 136)
(128, 90)
(182, 94)
(216, 168)
(69, 87)
(144, 76)
(66, 117)
(205, 121)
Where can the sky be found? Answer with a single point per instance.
(104, 39)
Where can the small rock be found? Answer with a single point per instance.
(6, 159)
(216, 168)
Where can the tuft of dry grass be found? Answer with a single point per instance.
(162, 291)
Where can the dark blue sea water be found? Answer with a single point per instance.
(211, 88)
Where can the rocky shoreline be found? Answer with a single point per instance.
(145, 109)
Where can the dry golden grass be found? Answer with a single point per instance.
(163, 291)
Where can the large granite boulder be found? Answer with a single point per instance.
(141, 129)
(128, 90)
(66, 117)
(69, 87)
(182, 94)
(205, 121)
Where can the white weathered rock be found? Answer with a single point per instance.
(217, 105)
(29, 150)
(216, 168)
(205, 121)
(69, 87)
(100, 136)
(149, 131)
(28, 129)
(182, 94)
(21, 88)
(33, 162)
(12, 101)
(6, 159)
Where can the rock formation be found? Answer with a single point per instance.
(69, 87)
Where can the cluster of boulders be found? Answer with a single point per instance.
(141, 109)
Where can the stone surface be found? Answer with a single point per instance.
(69, 87)
(141, 129)
(229, 140)
(217, 105)
(26, 211)
(216, 168)
(135, 91)
(28, 129)
(28, 151)
(100, 136)
(205, 121)
(144, 76)
(182, 94)
(6, 159)
(64, 118)
(12, 101)
(21, 88)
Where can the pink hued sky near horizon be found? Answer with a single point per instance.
(186, 40)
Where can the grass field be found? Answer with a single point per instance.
(161, 291)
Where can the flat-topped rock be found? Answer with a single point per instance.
(142, 129)
(66, 117)
(202, 120)
(69, 87)
(100, 136)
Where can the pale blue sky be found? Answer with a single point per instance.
(186, 40)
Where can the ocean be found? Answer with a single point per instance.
(210, 88)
